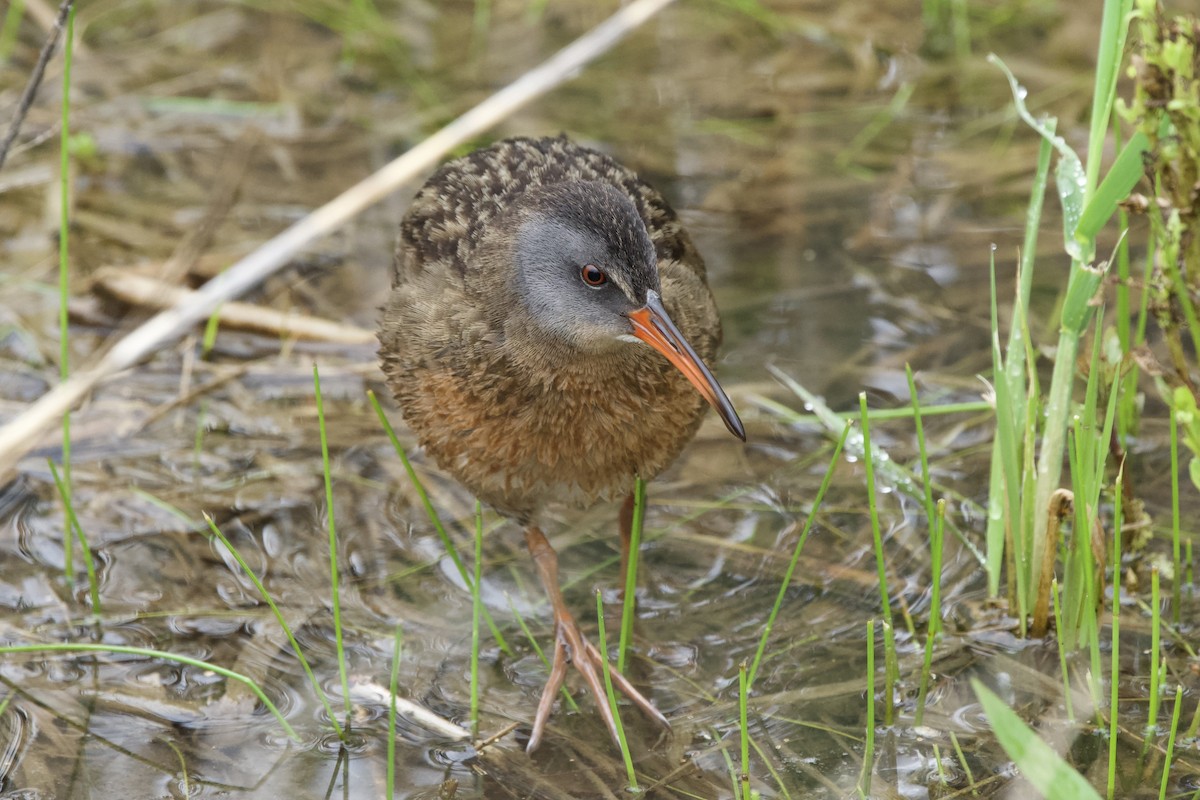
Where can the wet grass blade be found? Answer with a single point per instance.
(73, 647)
(787, 575)
(612, 697)
(393, 683)
(74, 531)
(1115, 646)
(318, 692)
(1063, 664)
(864, 782)
(434, 518)
(919, 428)
(935, 611)
(783, 790)
(1176, 563)
(894, 474)
(744, 728)
(1011, 385)
(1114, 26)
(1166, 773)
(1126, 171)
(629, 600)
(889, 638)
(734, 779)
(1155, 663)
(184, 781)
(962, 762)
(1039, 764)
(338, 635)
(476, 614)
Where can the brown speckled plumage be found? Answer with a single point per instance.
(522, 422)
(544, 338)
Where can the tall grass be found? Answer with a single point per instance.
(75, 532)
(1088, 203)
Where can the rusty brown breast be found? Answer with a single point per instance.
(524, 405)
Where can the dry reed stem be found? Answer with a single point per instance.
(139, 290)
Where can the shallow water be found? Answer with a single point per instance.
(835, 256)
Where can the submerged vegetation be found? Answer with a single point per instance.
(970, 584)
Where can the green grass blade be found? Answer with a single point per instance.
(787, 575)
(919, 428)
(744, 728)
(891, 668)
(447, 542)
(1155, 662)
(73, 647)
(1166, 773)
(612, 697)
(1125, 172)
(287, 629)
(962, 761)
(629, 600)
(74, 531)
(1113, 26)
(935, 612)
(868, 768)
(476, 614)
(335, 592)
(1181, 392)
(1039, 764)
(1063, 664)
(1115, 646)
(393, 684)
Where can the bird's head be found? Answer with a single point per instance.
(587, 274)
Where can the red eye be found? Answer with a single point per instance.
(593, 275)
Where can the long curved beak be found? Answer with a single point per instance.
(652, 325)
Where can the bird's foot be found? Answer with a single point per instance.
(571, 646)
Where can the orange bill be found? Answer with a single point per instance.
(652, 325)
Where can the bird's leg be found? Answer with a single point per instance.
(570, 645)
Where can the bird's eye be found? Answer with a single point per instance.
(593, 276)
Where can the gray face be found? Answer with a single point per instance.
(571, 235)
